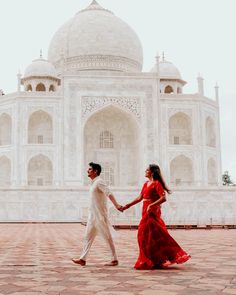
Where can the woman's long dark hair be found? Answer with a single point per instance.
(156, 174)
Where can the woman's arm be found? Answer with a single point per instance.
(161, 200)
(135, 201)
(162, 196)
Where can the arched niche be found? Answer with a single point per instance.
(29, 88)
(40, 87)
(40, 171)
(40, 128)
(169, 89)
(180, 129)
(52, 88)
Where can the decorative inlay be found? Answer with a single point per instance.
(91, 104)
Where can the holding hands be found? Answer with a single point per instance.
(126, 207)
(123, 208)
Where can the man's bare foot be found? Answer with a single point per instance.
(112, 263)
(79, 261)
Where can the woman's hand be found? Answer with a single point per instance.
(126, 207)
(149, 208)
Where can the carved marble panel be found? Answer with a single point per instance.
(92, 104)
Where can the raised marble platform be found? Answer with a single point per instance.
(195, 206)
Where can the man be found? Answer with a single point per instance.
(98, 222)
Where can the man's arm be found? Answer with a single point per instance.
(113, 200)
(105, 189)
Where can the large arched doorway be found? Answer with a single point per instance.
(40, 128)
(181, 171)
(111, 138)
(40, 171)
(5, 171)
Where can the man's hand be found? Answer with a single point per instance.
(120, 208)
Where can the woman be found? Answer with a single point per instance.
(157, 249)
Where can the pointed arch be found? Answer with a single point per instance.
(40, 87)
(180, 129)
(96, 105)
(5, 129)
(40, 128)
(169, 89)
(210, 132)
(52, 88)
(181, 171)
(5, 171)
(29, 88)
(40, 171)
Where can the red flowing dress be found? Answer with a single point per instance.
(157, 249)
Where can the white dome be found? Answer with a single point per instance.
(40, 68)
(95, 39)
(167, 70)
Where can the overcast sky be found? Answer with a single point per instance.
(198, 36)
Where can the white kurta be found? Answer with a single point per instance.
(98, 221)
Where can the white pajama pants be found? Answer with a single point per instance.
(91, 232)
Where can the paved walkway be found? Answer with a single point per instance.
(35, 259)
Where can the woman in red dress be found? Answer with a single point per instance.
(157, 249)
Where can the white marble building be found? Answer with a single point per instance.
(91, 101)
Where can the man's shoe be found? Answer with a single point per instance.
(79, 261)
(112, 263)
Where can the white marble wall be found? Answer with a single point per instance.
(80, 97)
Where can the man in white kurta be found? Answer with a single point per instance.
(98, 221)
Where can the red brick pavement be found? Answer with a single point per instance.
(35, 259)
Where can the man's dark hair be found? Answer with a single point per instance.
(96, 167)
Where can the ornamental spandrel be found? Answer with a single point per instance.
(92, 104)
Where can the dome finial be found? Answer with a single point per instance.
(41, 54)
(94, 5)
